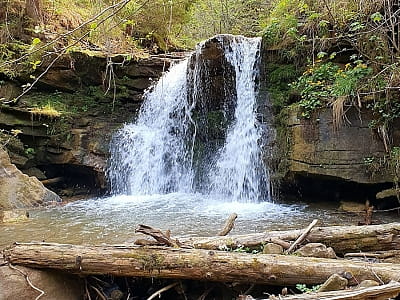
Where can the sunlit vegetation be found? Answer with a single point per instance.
(347, 50)
(47, 111)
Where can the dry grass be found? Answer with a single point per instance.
(338, 113)
(46, 111)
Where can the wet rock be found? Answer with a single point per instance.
(13, 216)
(272, 248)
(19, 190)
(334, 283)
(9, 90)
(367, 284)
(316, 250)
(353, 207)
(56, 285)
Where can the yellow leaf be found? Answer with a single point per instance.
(15, 132)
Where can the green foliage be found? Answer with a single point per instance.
(325, 81)
(304, 289)
(281, 26)
(29, 151)
(209, 17)
(385, 111)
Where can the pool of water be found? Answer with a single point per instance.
(113, 220)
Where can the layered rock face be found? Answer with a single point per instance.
(336, 164)
(316, 148)
(19, 190)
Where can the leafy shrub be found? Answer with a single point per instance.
(326, 81)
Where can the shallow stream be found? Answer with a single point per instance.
(113, 220)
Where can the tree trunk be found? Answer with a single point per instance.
(33, 9)
(196, 264)
(342, 239)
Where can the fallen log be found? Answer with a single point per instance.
(383, 292)
(342, 239)
(196, 264)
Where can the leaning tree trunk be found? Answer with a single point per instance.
(196, 264)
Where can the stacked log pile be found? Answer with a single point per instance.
(361, 250)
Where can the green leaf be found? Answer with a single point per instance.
(93, 26)
(376, 17)
(36, 41)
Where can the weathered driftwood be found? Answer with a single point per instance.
(158, 235)
(342, 239)
(228, 225)
(302, 237)
(383, 292)
(196, 264)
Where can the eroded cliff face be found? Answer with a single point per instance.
(345, 162)
(316, 148)
(73, 145)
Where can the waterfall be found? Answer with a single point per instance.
(239, 171)
(151, 155)
(159, 152)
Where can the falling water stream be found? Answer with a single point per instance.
(154, 154)
(154, 176)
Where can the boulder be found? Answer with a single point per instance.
(334, 283)
(19, 190)
(55, 285)
(272, 248)
(316, 250)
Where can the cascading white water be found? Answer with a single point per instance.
(239, 172)
(154, 154)
(150, 156)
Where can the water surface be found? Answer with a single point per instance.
(113, 220)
